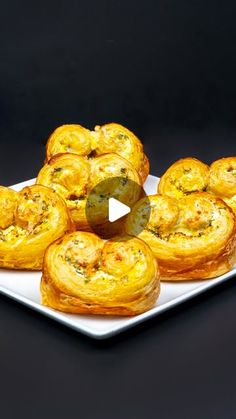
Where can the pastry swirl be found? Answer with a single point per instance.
(73, 177)
(109, 138)
(184, 177)
(84, 274)
(193, 237)
(70, 138)
(191, 175)
(29, 221)
(114, 138)
(222, 180)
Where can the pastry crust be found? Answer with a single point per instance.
(30, 220)
(87, 275)
(73, 177)
(222, 180)
(69, 138)
(183, 177)
(109, 138)
(191, 175)
(193, 237)
(114, 138)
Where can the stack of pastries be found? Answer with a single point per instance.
(186, 231)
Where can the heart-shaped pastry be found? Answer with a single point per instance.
(75, 178)
(84, 274)
(193, 237)
(109, 138)
(191, 175)
(30, 220)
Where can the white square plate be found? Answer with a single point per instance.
(24, 287)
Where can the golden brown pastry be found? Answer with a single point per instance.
(191, 175)
(84, 274)
(185, 176)
(114, 138)
(73, 177)
(70, 138)
(109, 138)
(193, 237)
(29, 221)
(222, 180)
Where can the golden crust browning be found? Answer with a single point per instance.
(193, 237)
(109, 138)
(222, 180)
(73, 177)
(69, 138)
(85, 274)
(183, 177)
(191, 175)
(29, 221)
(114, 138)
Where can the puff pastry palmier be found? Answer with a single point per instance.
(193, 237)
(74, 177)
(183, 177)
(191, 175)
(84, 274)
(29, 221)
(109, 138)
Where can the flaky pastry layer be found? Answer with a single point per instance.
(191, 175)
(84, 274)
(29, 221)
(75, 178)
(109, 138)
(193, 237)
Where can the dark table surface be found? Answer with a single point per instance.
(179, 365)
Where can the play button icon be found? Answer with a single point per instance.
(108, 204)
(116, 209)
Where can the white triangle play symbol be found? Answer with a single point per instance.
(116, 209)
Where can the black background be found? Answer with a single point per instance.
(167, 70)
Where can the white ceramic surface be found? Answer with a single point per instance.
(24, 287)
